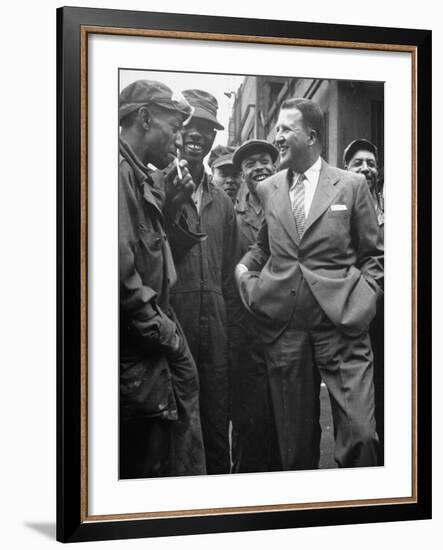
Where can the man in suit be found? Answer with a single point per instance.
(312, 282)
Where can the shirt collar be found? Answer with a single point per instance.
(256, 206)
(311, 174)
(314, 170)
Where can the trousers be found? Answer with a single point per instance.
(254, 440)
(154, 446)
(311, 349)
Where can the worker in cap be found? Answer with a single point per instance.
(205, 297)
(252, 147)
(224, 174)
(361, 156)
(144, 97)
(151, 92)
(255, 159)
(160, 430)
(254, 440)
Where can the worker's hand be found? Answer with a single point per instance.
(239, 270)
(179, 186)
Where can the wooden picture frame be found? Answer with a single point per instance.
(74, 25)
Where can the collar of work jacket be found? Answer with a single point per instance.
(250, 212)
(149, 181)
(205, 189)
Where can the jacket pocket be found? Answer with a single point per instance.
(149, 258)
(360, 308)
(152, 240)
(146, 389)
(338, 227)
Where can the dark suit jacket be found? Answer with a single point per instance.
(340, 255)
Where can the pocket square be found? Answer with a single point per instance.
(335, 207)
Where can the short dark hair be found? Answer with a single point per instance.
(312, 115)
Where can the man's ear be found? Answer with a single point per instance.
(313, 137)
(144, 117)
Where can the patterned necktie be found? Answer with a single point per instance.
(298, 205)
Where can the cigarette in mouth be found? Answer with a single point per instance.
(177, 162)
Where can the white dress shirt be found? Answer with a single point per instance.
(310, 182)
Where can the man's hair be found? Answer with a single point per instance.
(312, 115)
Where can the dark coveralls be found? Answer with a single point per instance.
(160, 431)
(255, 445)
(205, 300)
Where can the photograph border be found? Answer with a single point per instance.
(73, 27)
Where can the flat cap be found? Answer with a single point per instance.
(358, 145)
(221, 155)
(205, 106)
(251, 147)
(148, 92)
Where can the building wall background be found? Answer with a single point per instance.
(352, 109)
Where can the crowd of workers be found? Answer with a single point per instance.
(243, 287)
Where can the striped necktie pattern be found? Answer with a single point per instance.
(298, 205)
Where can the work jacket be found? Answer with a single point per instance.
(148, 330)
(206, 302)
(249, 220)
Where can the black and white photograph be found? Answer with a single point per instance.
(251, 218)
(235, 351)
(219, 230)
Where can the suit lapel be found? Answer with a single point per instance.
(324, 194)
(282, 204)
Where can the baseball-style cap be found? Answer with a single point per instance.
(251, 147)
(148, 92)
(205, 106)
(221, 155)
(358, 145)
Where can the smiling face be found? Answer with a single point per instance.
(256, 168)
(228, 178)
(294, 140)
(364, 162)
(198, 136)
